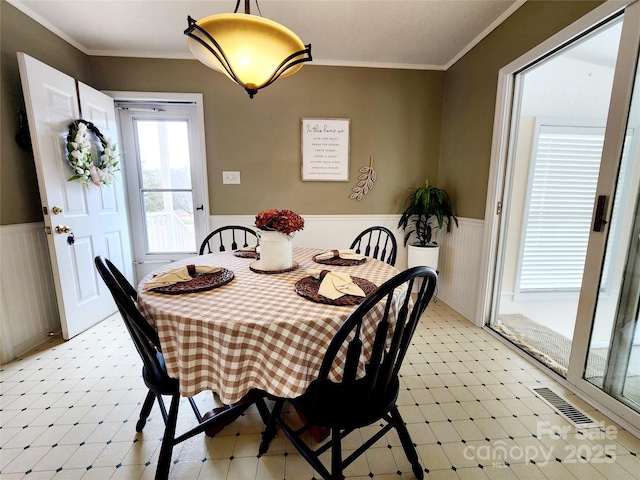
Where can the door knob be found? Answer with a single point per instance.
(56, 210)
(62, 229)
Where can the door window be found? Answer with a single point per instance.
(166, 175)
(166, 194)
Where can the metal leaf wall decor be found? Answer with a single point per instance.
(365, 181)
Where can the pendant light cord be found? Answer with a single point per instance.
(247, 9)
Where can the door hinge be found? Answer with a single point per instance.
(499, 208)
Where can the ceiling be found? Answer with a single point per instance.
(417, 34)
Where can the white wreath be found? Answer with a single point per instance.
(85, 168)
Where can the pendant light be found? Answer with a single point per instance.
(251, 50)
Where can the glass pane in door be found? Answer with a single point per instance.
(165, 186)
(613, 360)
(164, 153)
(169, 221)
(553, 174)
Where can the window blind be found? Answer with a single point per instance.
(563, 178)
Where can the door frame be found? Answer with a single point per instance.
(203, 187)
(508, 92)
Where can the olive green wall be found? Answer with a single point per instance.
(470, 97)
(395, 117)
(416, 124)
(19, 197)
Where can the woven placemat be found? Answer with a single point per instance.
(201, 282)
(255, 267)
(341, 262)
(245, 254)
(308, 287)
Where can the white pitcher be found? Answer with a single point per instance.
(276, 250)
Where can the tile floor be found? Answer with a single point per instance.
(68, 411)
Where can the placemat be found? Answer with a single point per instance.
(308, 287)
(341, 262)
(200, 283)
(245, 254)
(255, 267)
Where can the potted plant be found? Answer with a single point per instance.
(428, 208)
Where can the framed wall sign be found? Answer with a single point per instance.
(325, 149)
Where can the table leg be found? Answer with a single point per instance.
(244, 403)
(272, 424)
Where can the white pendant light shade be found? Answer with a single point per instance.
(252, 51)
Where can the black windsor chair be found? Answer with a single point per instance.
(354, 401)
(377, 242)
(155, 376)
(224, 237)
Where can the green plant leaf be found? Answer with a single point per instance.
(427, 208)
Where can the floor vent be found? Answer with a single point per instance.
(564, 408)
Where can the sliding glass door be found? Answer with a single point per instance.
(566, 233)
(608, 359)
(559, 128)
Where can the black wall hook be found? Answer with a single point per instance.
(23, 137)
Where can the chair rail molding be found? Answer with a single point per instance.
(29, 306)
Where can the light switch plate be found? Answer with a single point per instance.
(231, 178)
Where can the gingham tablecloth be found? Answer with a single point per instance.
(254, 332)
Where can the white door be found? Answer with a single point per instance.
(163, 145)
(95, 217)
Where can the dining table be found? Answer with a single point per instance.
(257, 330)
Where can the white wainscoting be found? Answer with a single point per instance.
(459, 264)
(29, 307)
(328, 231)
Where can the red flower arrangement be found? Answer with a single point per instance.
(283, 221)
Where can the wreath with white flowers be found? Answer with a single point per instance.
(86, 169)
